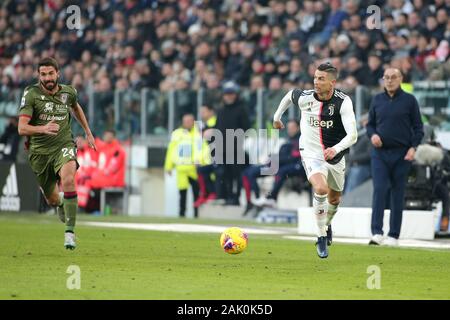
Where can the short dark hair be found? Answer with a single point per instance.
(328, 68)
(48, 62)
(209, 107)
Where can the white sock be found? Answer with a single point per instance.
(332, 209)
(61, 199)
(320, 210)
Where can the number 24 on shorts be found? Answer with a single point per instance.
(68, 152)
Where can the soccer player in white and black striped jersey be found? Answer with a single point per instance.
(328, 129)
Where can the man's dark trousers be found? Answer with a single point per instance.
(390, 172)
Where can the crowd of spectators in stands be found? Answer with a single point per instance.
(181, 44)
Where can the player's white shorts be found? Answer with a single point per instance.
(334, 173)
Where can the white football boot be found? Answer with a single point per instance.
(377, 240)
(391, 242)
(69, 240)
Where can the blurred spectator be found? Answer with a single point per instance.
(104, 98)
(440, 179)
(101, 168)
(185, 151)
(363, 47)
(297, 73)
(296, 50)
(334, 21)
(110, 171)
(433, 29)
(269, 70)
(272, 96)
(357, 70)
(6, 87)
(206, 172)
(289, 166)
(9, 141)
(256, 84)
(307, 17)
(232, 115)
(375, 65)
(87, 159)
(342, 46)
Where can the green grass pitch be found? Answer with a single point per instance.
(134, 264)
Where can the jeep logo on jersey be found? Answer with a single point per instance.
(320, 123)
(48, 107)
(64, 97)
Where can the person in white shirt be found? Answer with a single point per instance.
(328, 128)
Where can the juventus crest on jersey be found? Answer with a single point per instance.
(323, 124)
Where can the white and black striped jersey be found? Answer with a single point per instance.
(323, 124)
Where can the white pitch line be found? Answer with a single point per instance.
(180, 227)
(401, 243)
(176, 227)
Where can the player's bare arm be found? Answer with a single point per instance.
(81, 118)
(282, 107)
(26, 129)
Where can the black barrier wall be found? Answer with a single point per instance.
(19, 190)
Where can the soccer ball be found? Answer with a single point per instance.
(233, 240)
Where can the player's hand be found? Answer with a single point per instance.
(410, 154)
(329, 153)
(376, 141)
(51, 128)
(91, 141)
(278, 124)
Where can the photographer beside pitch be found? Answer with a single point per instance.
(328, 128)
(395, 130)
(45, 117)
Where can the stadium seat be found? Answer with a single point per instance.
(108, 206)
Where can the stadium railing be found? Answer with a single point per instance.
(149, 116)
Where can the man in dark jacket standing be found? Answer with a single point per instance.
(232, 115)
(395, 130)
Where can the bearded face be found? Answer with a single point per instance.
(48, 77)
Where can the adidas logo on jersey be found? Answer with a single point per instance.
(320, 123)
(10, 200)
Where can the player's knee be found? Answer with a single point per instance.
(68, 182)
(321, 190)
(335, 201)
